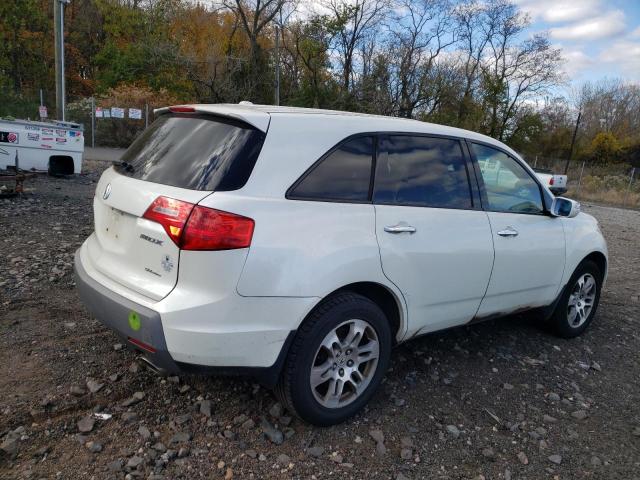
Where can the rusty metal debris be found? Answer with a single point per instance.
(12, 182)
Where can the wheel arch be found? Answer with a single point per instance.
(596, 256)
(61, 165)
(388, 301)
(599, 259)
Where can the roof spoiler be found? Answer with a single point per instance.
(244, 113)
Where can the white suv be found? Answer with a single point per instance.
(300, 246)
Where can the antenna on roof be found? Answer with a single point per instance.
(245, 102)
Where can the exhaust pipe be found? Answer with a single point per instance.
(151, 366)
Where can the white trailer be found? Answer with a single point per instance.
(56, 147)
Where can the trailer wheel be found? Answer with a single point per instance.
(60, 165)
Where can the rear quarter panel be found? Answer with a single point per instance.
(304, 248)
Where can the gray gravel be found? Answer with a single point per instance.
(499, 400)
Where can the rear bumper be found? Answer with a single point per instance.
(218, 339)
(115, 312)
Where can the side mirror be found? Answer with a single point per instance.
(565, 207)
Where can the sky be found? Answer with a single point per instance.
(599, 38)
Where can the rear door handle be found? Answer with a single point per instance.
(508, 232)
(400, 229)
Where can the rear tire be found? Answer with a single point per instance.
(337, 360)
(577, 306)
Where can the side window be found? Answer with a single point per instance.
(422, 171)
(509, 186)
(344, 175)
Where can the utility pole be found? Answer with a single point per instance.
(278, 27)
(58, 29)
(93, 122)
(573, 142)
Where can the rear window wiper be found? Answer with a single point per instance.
(125, 165)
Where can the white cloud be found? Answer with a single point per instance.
(555, 11)
(624, 56)
(607, 25)
(576, 61)
(636, 32)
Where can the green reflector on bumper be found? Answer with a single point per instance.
(134, 321)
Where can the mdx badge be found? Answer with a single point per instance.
(155, 241)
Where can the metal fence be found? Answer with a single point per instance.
(610, 184)
(110, 125)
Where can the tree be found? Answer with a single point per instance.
(351, 23)
(23, 47)
(213, 53)
(474, 29)
(137, 46)
(516, 73)
(420, 33)
(309, 43)
(605, 147)
(255, 17)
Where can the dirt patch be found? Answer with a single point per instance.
(503, 399)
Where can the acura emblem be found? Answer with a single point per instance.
(107, 191)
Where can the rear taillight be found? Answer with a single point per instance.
(192, 227)
(551, 181)
(172, 214)
(209, 229)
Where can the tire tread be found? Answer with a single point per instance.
(283, 387)
(558, 320)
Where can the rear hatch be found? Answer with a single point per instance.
(182, 157)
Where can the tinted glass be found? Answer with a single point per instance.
(198, 152)
(422, 171)
(343, 175)
(508, 185)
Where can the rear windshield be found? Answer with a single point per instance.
(198, 152)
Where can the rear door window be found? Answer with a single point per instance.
(422, 171)
(197, 152)
(343, 175)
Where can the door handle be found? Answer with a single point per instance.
(508, 232)
(400, 229)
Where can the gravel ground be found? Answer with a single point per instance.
(499, 400)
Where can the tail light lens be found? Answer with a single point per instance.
(172, 214)
(551, 181)
(192, 227)
(209, 229)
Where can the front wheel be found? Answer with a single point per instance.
(337, 360)
(579, 302)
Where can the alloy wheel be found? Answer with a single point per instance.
(344, 364)
(581, 300)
